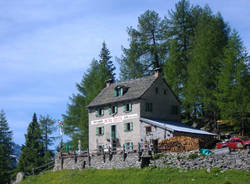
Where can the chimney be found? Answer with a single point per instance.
(109, 82)
(157, 72)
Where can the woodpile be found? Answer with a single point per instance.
(179, 144)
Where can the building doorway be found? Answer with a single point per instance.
(113, 137)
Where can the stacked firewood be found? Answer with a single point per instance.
(179, 144)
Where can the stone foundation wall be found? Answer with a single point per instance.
(97, 161)
(232, 160)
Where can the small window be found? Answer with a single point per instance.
(156, 90)
(127, 107)
(119, 91)
(128, 146)
(99, 112)
(148, 130)
(128, 127)
(149, 107)
(165, 91)
(174, 110)
(100, 131)
(113, 109)
(101, 148)
(237, 140)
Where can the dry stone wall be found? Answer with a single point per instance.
(189, 160)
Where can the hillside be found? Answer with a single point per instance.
(137, 176)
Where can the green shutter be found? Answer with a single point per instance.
(125, 146)
(103, 147)
(115, 92)
(131, 126)
(131, 145)
(125, 127)
(96, 113)
(121, 91)
(102, 130)
(102, 112)
(116, 109)
(110, 110)
(124, 108)
(130, 107)
(97, 131)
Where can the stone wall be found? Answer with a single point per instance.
(230, 160)
(189, 160)
(74, 161)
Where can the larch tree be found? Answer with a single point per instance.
(93, 81)
(211, 35)
(234, 84)
(147, 48)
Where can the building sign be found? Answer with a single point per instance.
(117, 119)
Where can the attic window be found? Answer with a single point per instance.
(119, 91)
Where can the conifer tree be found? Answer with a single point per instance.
(6, 149)
(47, 126)
(93, 81)
(32, 155)
(234, 84)
(211, 36)
(147, 49)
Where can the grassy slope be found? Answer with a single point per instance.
(143, 176)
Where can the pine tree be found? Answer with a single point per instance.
(233, 84)
(93, 81)
(6, 145)
(32, 155)
(147, 47)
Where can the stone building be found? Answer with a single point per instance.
(129, 112)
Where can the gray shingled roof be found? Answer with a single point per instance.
(136, 88)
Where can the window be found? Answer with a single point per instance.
(128, 146)
(128, 127)
(165, 91)
(174, 109)
(149, 107)
(127, 107)
(101, 148)
(113, 109)
(119, 91)
(100, 131)
(148, 130)
(156, 90)
(99, 112)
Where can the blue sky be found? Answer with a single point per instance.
(46, 46)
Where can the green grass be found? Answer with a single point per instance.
(141, 176)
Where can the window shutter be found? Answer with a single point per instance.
(102, 111)
(103, 147)
(110, 110)
(116, 109)
(125, 146)
(131, 145)
(115, 92)
(125, 127)
(97, 131)
(96, 113)
(124, 108)
(121, 91)
(102, 130)
(130, 107)
(131, 126)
